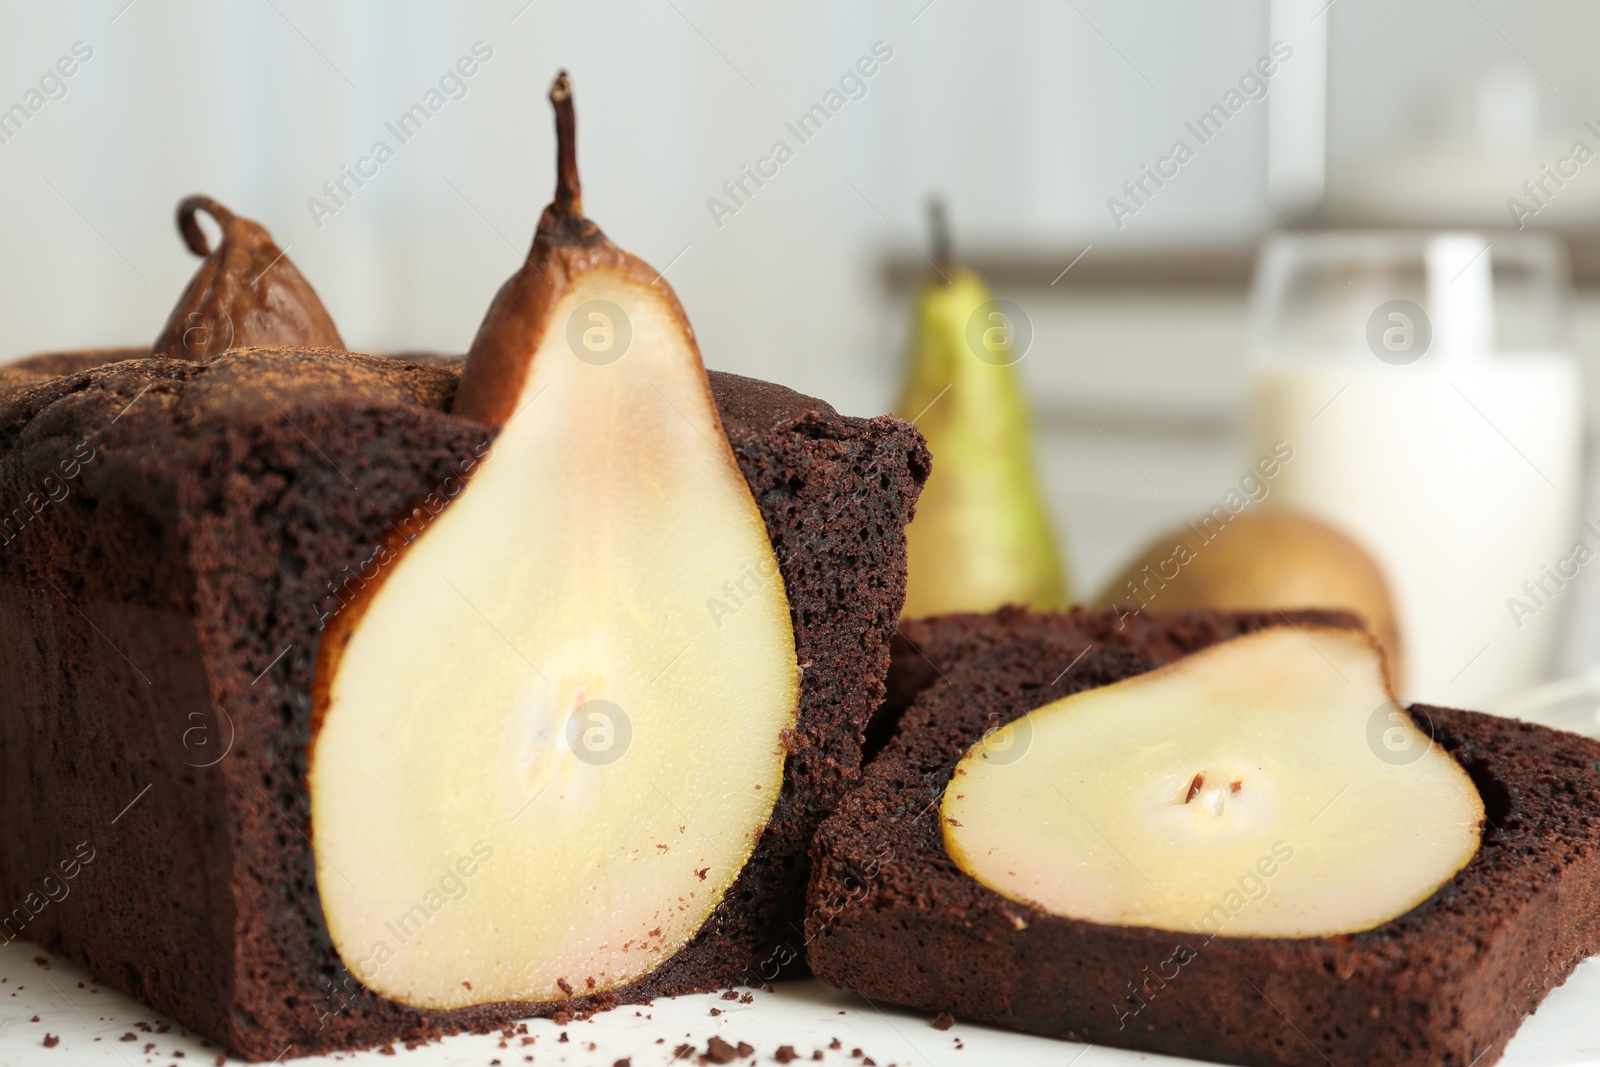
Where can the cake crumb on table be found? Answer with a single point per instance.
(719, 1051)
(51, 1040)
(943, 1021)
(786, 1054)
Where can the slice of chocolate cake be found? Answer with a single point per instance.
(1446, 976)
(198, 528)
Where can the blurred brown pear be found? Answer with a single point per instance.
(245, 292)
(1261, 561)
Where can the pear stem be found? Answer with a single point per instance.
(189, 227)
(939, 227)
(569, 191)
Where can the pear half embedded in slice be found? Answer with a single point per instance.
(550, 740)
(1268, 786)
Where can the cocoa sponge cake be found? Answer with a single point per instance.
(911, 906)
(393, 698)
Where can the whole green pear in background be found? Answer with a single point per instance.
(981, 537)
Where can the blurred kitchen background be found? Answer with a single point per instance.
(1027, 116)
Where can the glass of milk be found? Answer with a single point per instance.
(1426, 384)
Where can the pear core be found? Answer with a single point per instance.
(1268, 786)
(543, 760)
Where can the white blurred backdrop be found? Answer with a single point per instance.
(1028, 115)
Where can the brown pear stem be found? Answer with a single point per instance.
(569, 191)
(189, 226)
(939, 227)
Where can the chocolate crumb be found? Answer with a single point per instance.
(387, 1050)
(719, 1051)
(836, 1044)
(943, 1021)
(129, 1036)
(35, 1018)
(716, 1011)
(682, 1051)
(730, 995)
(626, 1061)
(748, 998)
(563, 1037)
(786, 1054)
(51, 1040)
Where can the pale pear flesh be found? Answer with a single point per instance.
(579, 565)
(1267, 786)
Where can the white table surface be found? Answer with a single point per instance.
(806, 1014)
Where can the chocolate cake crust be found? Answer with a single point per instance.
(166, 598)
(894, 918)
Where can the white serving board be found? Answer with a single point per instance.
(805, 1014)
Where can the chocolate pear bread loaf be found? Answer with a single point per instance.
(178, 537)
(896, 918)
